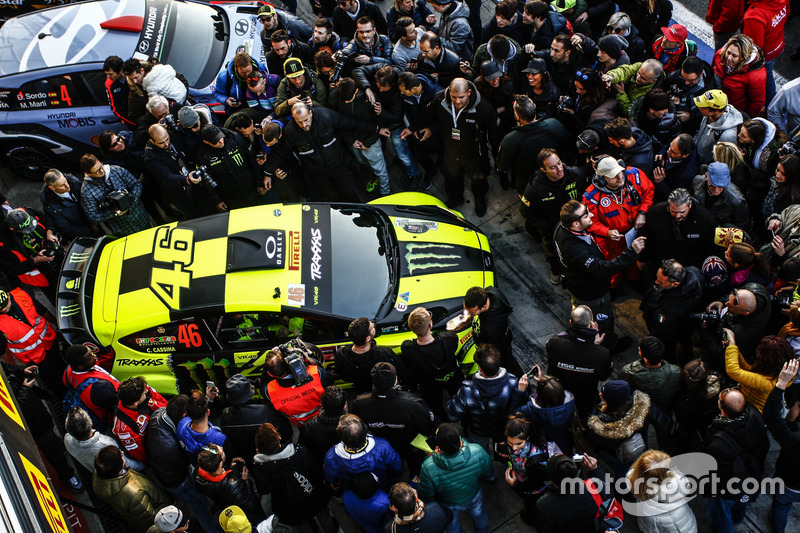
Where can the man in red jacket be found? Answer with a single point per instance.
(137, 402)
(764, 22)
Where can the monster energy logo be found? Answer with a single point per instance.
(428, 256)
(78, 257)
(238, 159)
(69, 310)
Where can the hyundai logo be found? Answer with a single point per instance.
(241, 27)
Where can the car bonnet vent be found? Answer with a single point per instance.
(256, 250)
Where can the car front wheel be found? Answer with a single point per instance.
(29, 161)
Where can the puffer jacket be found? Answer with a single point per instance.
(192, 441)
(133, 496)
(162, 80)
(454, 479)
(167, 460)
(228, 489)
(483, 403)
(378, 457)
(670, 514)
(762, 159)
(724, 129)
(747, 88)
(554, 421)
(608, 432)
(661, 384)
(455, 32)
(730, 207)
(726, 16)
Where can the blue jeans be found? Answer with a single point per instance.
(722, 514)
(188, 493)
(771, 88)
(476, 510)
(403, 151)
(781, 505)
(373, 155)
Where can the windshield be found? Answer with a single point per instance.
(363, 250)
(195, 43)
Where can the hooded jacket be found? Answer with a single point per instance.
(133, 496)
(627, 74)
(764, 22)
(229, 84)
(555, 421)
(730, 206)
(668, 513)
(662, 384)
(748, 431)
(162, 80)
(192, 441)
(725, 15)
(312, 88)
(516, 30)
(762, 159)
(65, 215)
(724, 129)
(544, 197)
(483, 403)
(455, 32)
(579, 364)
(377, 457)
(454, 479)
(607, 431)
(554, 24)
(746, 88)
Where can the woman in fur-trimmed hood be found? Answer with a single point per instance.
(618, 424)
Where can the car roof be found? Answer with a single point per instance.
(68, 34)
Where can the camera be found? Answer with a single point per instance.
(711, 318)
(788, 148)
(205, 177)
(297, 366)
(169, 122)
(564, 103)
(783, 298)
(49, 248)
(118, 200)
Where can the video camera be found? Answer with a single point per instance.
(118, 200)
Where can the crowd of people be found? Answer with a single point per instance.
(637, 163)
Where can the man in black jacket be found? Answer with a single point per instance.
(587, 274)
(170, 465)
(354, 362)
(395, 415)
(319, 433)
(738, 441)
(553, 184)
(490, 309)
(746, 312)
(242, 418)
(313, 136)
(466, 122)
(440, 63)
(577, 359)
(232, 167)
(61, 201)
(348, 12)
(226, 484)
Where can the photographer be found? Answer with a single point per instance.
(226, 485)
(110, 195)
(30, 251)
(757, 380)
(293, 384)
(746, 312)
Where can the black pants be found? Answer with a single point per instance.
(454, 169)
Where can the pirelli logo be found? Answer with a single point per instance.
(45, 496)
(294, 250)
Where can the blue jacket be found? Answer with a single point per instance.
(554, 421)
(483, 403)
(369, 514)
(378, 457)
(192, 441)
(228, 84)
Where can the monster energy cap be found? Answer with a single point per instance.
(3, 299)
(19, 220)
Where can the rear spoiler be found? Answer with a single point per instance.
(75, 284)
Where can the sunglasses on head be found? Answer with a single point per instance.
(579, 75)
(735, 293)
(210, 449)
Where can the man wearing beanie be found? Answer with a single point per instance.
(611, 53)
(560, 511)
(452, 476)
(395, 415)
(724, 199)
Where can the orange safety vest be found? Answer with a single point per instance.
(298, 403)
(26, 343)
(33, 277)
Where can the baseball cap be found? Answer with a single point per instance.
(715, 99)
(4, 297)
(490, 70)
(535, 66)
(676, 33)
(608, 167)
(384, 376)
(19, 220)
(188, 117)
(293, 67)
(168, 519)
(233, 520)
(254, 78)
(211, 133)
(719, 175)
(266, 11)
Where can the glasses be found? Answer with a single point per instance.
(612, 29)
(735, 293)
(98, 172)
(581, 76)
(117, 141)
(266, 18)
(211, 449)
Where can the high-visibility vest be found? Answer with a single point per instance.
(298, 403)
(26, 343)
(74, 379)
(33, 277)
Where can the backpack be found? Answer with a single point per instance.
(631, 448)
(609, 512)
(73, 399)
(745, 464)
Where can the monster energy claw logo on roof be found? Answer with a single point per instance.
(78, 257)
(69, 310)
(424, 258)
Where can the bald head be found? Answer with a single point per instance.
(159, 135)
(459, 93)
(742, 302)
(731, 403)
(581, 316)
(302, 115)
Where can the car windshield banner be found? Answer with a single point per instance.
(316, 254)
(151, 39)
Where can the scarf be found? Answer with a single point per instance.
(738, 277)
(517, 460)
(419, 512)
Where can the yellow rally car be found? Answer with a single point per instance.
(193, 301)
